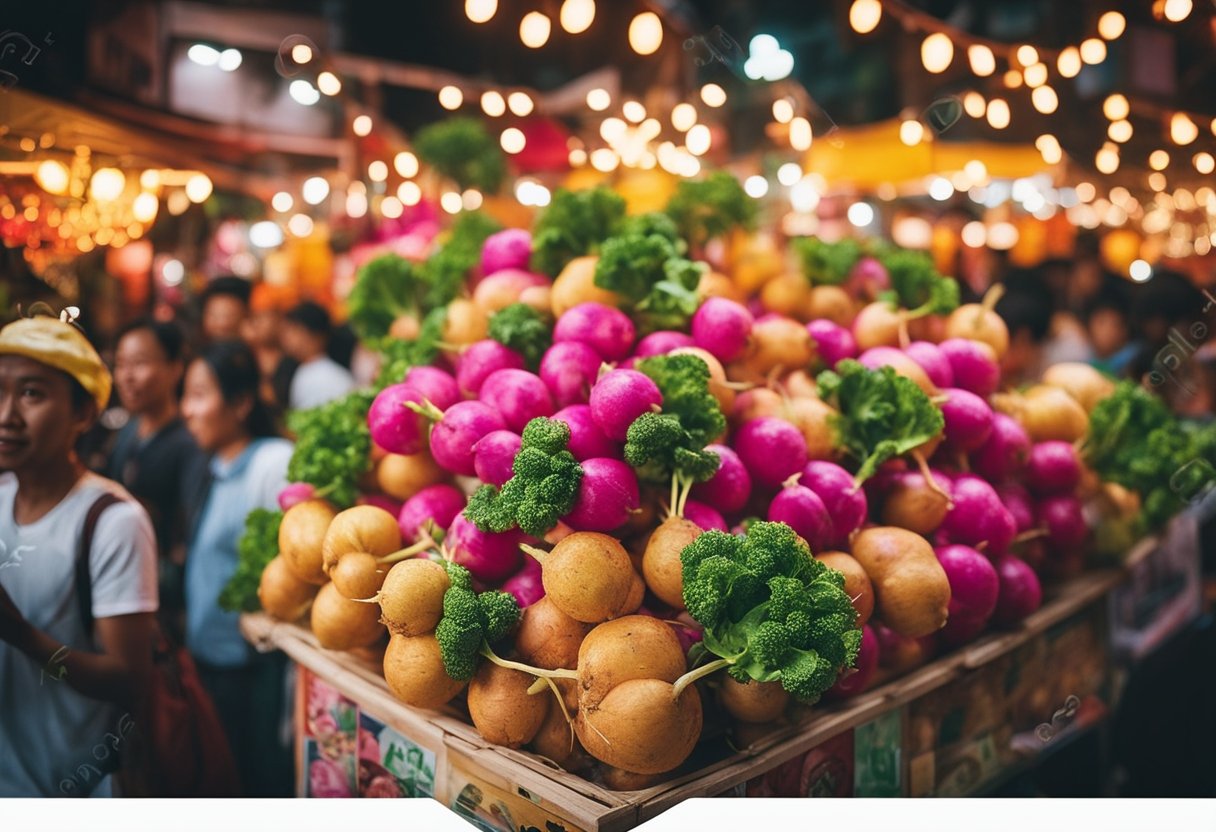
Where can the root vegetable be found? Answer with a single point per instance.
(771, 449)
(605, 329)
(576, 284)
(1049, 413)
(466, 323)
(705, 517)
(802, 510)
(661, 343)
(753, 701)
(358, 575)
(729, 488)
(911, 590)
(503, 288)
(607, 496)
(974, 365)
(719, 387)
(661, 559)
(857, 679)
(1053, 468)
(857, 583)
(813, 417)
(641, 727)
(973, 591)
(877, 325)
(757, 403)
(587, 575)
(282, 594)
(830, 303)
(1004, 452)
(876, 357)
(723, 328)
(1020, 593)
(787, 294)
(933, 361)
(1081, 381)
(833, 341)
(780, 342)
(480, 361)
(435, 385)
(968, 419)
(549, 638)
(619, 397)
(457, 431)
(393, 426)
(434, 506)
(912, 504)
(360, 529)
(342, 624)
(846, 503)
(502, 711)
(489, 556)
(411, 599)
(517, 396)
(404, 476)
(587, 441)
(570, 370)
(301, 536)
(556, 741)
(525, 584)
(979, 322)
(414, 671)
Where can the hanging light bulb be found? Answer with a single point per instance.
(534, 30)
(646, 33)
(1035, 75)
(911, 131)
(713, 95)
(1107, 160)
(983, 62)
(998, 113)
(377, 171)
(1049, 146)
(1111, 25)
(450, 98)
(698, 139)
(1069, 62)
(1176, 11)
(1159, 160)
(362, 125)
(53, 177)
(107, 184)
(1182, 129)
(198, 188)
(633, 111)
(1204, 162)
(520, 103)
(783, 111)
(480, 11)
(512, 140)
(864, 16)
(800, 134)
(1044, 99)
(683, 116)
(145, 206)
(974, 104)
(492, 103)
(1116, 107)
(1119, 131)
(1027, 55)
(1093, 51)
(576, 16)
(936, 52)
(598, 99)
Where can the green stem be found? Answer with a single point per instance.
(693, 675)
(426, 410)
(534, 671)
(539, 554)
(407, 552)
(673, 507)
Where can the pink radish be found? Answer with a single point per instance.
(480, 360)
(456, 432)
(393, 425)
(973, 364)
(933, 361)
(973, 591)
(619, 397)
(607, 496)
(1017, 500)
(510, 248)
(494, 456)
(586, 438)
(1053, 468)
(771, 449)
(569, 370)
(832, 341)
(1063, 519)
(1004, 453)
(436, 504)
(846, 503)
(968, 419)
(730, 487)
(296, 492)
(801, 509)
(519, 396)
(868, 278)
(661, 343)
(525, 584)
(704, 516)
(435, 385)
(722, 328)
(606, 330)
(1020, 591)
(381, 501)
(978, 518)
(489, 556)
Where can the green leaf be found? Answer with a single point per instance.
(258, 545)
(461, 149)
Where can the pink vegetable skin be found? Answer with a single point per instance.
(453, 437)
(1053, 468)
(704, 517)
(507, 249)
(525, 584)
(856, 680)
(730, 487)
(296, 492)
(968, 419)
(973, 591)
(1020, 592)
(801, 509)
(489, 556)
(933, 361)
(435, 385)
(494, 456)
(972, 365)
(606, 330)
(1063, 518)
(771, 449)
(661, 343)
(607, 495)
(586, 438)
(845, 502)
(438, 504)
(480, 361)
(518, 395)
(722, 328)
(832, 341)
(619, 397)
(1017, 501)
(393, 426)
(868, 278)
(978, 517)
(569, 370)
(1005, 451)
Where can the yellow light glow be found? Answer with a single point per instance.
(633, 111)
(300, 225)
(108, 183)
(520, 103)
(864, 16)
(409, 193)
(471, 199)
(976, 170)
(1119, 131)
(480, 11)
(534, 30)
(1204, 163)
(783, 111)
(612, 129)
(576, 16)
(698, 140)
(1159, 160)
(1012, 79)
(974, 234)
(1182, 129)
(683, 116)
(144, 207)
(356, 204)
(377, 171)
(1002, 236)
(1177, 11)
(512, 140)
(450, 97)
(1045, 100)
(998, 113)
(1049, 147)
(936, 52)
(406, 164)
(598, 99)
(362, 125)
(578, 157)
(149, 180)
(1157, 181)
(328, 83)
(1111, 25)
(391, 207)
(1069, 62)
(713, 95)
(52, 177)
(1093, 51)
(492, 103)
(800, 134)
(1035, 75)
(1027, 55)
(1116, 107)
(301, 53)
(282, 202)
(604, 160)
(974, 104)
(911, 132)
(1107, 159)
(646, 33)
(983, 62)
(451, 202)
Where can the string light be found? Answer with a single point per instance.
(1119, 131)
(328, 83)
(301, 53)
(783, 110)
(1156, 181)
(633, 111)
(911, 132)
(451, 202)
(1177, 11)
(1027, 55)
(1049, 147)
(974, 234)
(598, 99)
(755, 186)
(492, 103)
(1069, 62)
(450, 98)
(864, 16)
(1111, 25)
(1045, 100)
(646, 33)
(1107, 159)
(282, 202)
(198, 188)
(697, 140)
(480, 11)
(576, 16)
(604, 160)
(1035, 75)
(1182, 130)
(937, 52)
(534, 30)
(409, 193)
(356, 204)
(377, 171)
(1159, 160)
(362, 125)
(1012, 79)
(789, 173)
(314, 190)
(983, 62)
(1116, 107)
(392, 208)
(998, 113)
(1093, 51)
(1139, 270)
(520, 103)
(974, 104)
(471, 199)
(683, 116)
(800, 134)
(512, 140)
(145, 206)
(713, 95)
(52, 177)
(1204, 163)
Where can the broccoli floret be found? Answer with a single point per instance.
(684, 383)
(470, 624)
(770, 610)
(524, 330)
(543, 486)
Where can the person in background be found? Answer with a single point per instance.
(263, 333)
(318, 379)
(154, 455)
(70, 667)
(225, 305)
(1106, 322)
(1026, 309)
(248, 469)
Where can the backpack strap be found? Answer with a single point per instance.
(84, 577)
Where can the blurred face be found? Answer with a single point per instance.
(213, 422)
(145, 377)
(298, 342)
(262, 329)
(222, 317)
(1107, 331)
(38, 424)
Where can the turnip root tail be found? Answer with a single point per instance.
(560, 673)
(538, 553)
(1029, 534)
(423, 545)
(427, 410)
(923, 465)
(991, 297)
(693, 675)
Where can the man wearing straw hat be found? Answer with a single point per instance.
(73, 662)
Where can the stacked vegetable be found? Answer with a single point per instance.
(617, 494)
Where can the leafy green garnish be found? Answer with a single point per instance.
(397, 356)
(826, 264)
(574, 224)
(333, 446)
(447, 269)
(386, 287)
(916, 284)
(257, 547)
(647, 270)
(710, 207)
(524, 330)
(461, 149)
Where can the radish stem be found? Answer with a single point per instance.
(904, 339)
(426, 410)
(994, 294)
(693, 675)
(539, 554)
(534, 671)
(923, 465)
(407, 552)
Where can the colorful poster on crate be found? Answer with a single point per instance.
(391, 765)
(878, 756)
(331, 741)
(493, 809)
(824, 771)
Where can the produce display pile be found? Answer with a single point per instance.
(612, 496)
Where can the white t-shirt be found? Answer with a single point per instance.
(48, 731)
(317, 382)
